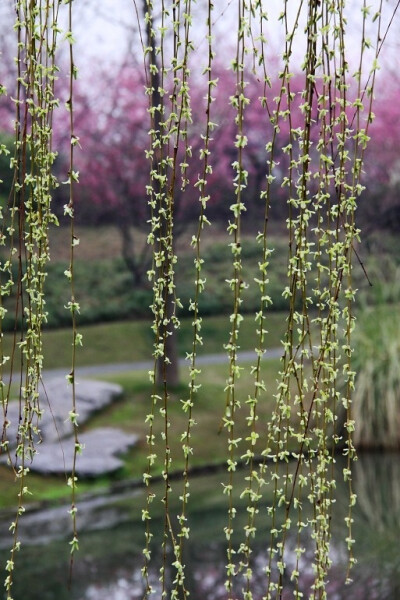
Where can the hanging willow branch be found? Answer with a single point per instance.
(25, 229)
(317, 111)
(319, 120)
(72, 305)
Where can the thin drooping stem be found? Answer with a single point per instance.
(27, 230)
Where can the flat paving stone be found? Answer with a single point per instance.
(99, 455)
(55, 444)
(55, 399)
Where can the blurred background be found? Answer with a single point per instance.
(112, 261)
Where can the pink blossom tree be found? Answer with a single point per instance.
(113, 126)
(382, 164)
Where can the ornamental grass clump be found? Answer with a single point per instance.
(376, 399)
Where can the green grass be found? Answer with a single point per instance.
(129, 414)
(106, 294)
(209, 445)
(127, 341)
(106, 291)
(132, 341)
(42, 488)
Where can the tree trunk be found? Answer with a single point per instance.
(136, 267)
(168, 366)
(167, 370)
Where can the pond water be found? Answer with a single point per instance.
(110, 558)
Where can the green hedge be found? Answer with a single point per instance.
(105, 289)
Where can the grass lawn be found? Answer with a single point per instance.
(127, 341)
(209, 446)
(132, 341)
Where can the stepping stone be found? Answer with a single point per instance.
(98, 456)
(55, 448)
(55, 399)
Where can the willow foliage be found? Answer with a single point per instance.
(325, 121)
(25, 235)
(319, 119)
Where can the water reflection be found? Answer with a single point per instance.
(108, 565)
(377, 478)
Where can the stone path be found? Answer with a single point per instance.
(56, 447)
(203, 359)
